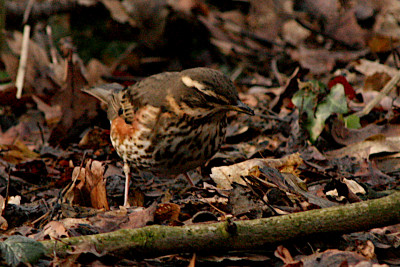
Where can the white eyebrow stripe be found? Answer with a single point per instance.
(192, 83)
(189, 82)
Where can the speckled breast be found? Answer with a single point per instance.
(166, 143)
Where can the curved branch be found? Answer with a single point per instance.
(238, 235)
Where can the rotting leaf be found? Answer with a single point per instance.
(55, 230)
(16, 153)
(335, 257)
(3, 221)
(19, 249)
(88, 186)
(167, 212)
(362, 150)
(96, 184)
(77, 107)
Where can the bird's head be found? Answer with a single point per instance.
(208, 89)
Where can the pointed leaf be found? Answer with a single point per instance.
(19, 249)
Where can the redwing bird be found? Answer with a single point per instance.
(169, 123)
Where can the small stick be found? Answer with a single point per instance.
(388, 87)
(28, 10)
(22, 63)
(53, 50)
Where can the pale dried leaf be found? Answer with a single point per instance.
(224, 176)
(354, 186)
(118, 12)
(364, 149)
(369, 68)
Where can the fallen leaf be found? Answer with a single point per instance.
(362, 150)
(224, 176)
(369, 68)
(334, 257)
(16, 153)
(88, 186)
(345, 136)
(52, 114)
(55, 230)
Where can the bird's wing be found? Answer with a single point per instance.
(153, 90)
(149, 93)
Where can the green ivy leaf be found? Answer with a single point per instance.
(352, 122)
(19, 249)
(335, 102)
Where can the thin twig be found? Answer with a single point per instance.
(53, 50)
(388, 87)
(41, 133)
(8, 187)
(22, 63)
(27, 12)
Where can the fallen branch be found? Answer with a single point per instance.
(39, 9)
(233, 236)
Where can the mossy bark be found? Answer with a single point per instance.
(239, 235)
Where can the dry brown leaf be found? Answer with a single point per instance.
(388, 163)
(367, 249)
(369, 68)
(104, 222)
(336, 20)
(334, 257)
(3, 221)
(77, 107)
(294, 33)
(55, 230)
(321, 61)
(224, 176)
(187, 6)
(345, 136)
(362, 150)
(118, 12)
(265, 18)
(140, 218)
(27, 130)
(16, 153)
(283, 253)
(88, 186)
(379, 43)
(96, 184)
(52, 113)
(354, 187)
(72, 194)
(296, 185)
(376, 81)
(95, 70)
(167, 212)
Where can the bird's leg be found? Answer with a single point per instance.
(127, 171)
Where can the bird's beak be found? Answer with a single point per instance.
(242, 107)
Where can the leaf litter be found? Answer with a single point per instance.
(307, 68)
